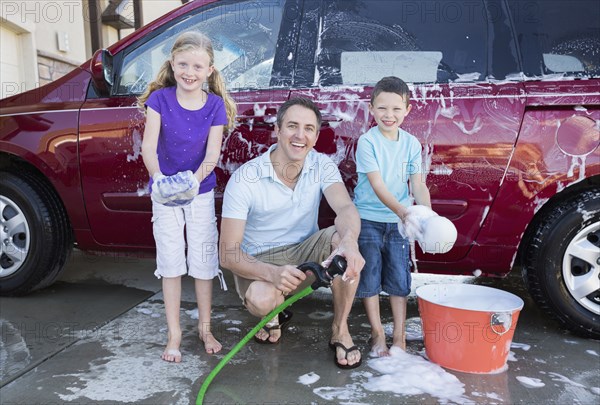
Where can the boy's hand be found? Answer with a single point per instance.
(411, 226)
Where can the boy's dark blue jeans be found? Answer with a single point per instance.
(387, 260)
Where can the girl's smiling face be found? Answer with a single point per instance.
(191, 69)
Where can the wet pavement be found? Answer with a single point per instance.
(97, 334)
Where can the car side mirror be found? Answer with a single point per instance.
(102, 70)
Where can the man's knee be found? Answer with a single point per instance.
(259, 299)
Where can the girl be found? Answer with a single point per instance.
(187, 107)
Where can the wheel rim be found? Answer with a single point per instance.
(581, 267)
(15, 236)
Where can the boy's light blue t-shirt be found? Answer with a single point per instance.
(396, 161)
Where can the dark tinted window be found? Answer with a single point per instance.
(558, 37)
(419, 41)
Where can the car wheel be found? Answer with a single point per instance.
(562, 263)
(35, 235)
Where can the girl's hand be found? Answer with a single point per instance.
(176, 190)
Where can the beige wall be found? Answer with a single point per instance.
(41, 40)
(156, 8)
(18, 58)
(60, 29)
(152, 9)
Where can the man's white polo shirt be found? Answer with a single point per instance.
(276, 215)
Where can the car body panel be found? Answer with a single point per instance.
(41, 127)
(468, 141)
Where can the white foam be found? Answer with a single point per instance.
(561, 378)
(309, 378)
(530, 382)
(408, 374)
(350, 392)
(522, 346)
(232, 322)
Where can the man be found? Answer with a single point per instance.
(269, 226)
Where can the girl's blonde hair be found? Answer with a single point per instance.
(166, 78)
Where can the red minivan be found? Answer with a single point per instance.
(506, 103)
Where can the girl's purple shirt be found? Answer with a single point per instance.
(184, 133)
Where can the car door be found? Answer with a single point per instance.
(457, 57)
(251, 41)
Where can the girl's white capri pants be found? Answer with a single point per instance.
(200, 224)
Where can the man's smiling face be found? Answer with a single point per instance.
(297, 135)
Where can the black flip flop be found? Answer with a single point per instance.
(334, 346)
(284, 317)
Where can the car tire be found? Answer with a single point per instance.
(562, 263)
(36, 238)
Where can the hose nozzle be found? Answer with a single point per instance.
(324, 276)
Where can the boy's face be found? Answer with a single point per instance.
(389, 111)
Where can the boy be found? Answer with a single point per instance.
(387, 157)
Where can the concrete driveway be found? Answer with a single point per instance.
(96, 337)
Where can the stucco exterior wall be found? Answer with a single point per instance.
(41, 40)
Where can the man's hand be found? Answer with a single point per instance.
(287, 278)
(348, 248)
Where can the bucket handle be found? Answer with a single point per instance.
(503, 319)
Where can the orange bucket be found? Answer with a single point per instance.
(468, 328)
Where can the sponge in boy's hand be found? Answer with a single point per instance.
(434, 233)
(176, 190)
(439, 235)
(412, 226)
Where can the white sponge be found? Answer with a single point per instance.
(434, 233)
(439, 235)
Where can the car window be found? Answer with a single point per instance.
(558, 37)
(419, 41)
(244, 38)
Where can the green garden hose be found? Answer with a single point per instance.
(246, 338)
(324, 278)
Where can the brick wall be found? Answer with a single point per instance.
(52, 67)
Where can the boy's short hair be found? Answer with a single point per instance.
(303, 102)
(391, 84)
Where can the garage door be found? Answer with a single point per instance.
(10, 59)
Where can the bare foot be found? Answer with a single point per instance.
(172, 353)
(378, 346)
(211, 345)
(400, 342)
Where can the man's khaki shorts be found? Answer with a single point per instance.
(314, 249)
